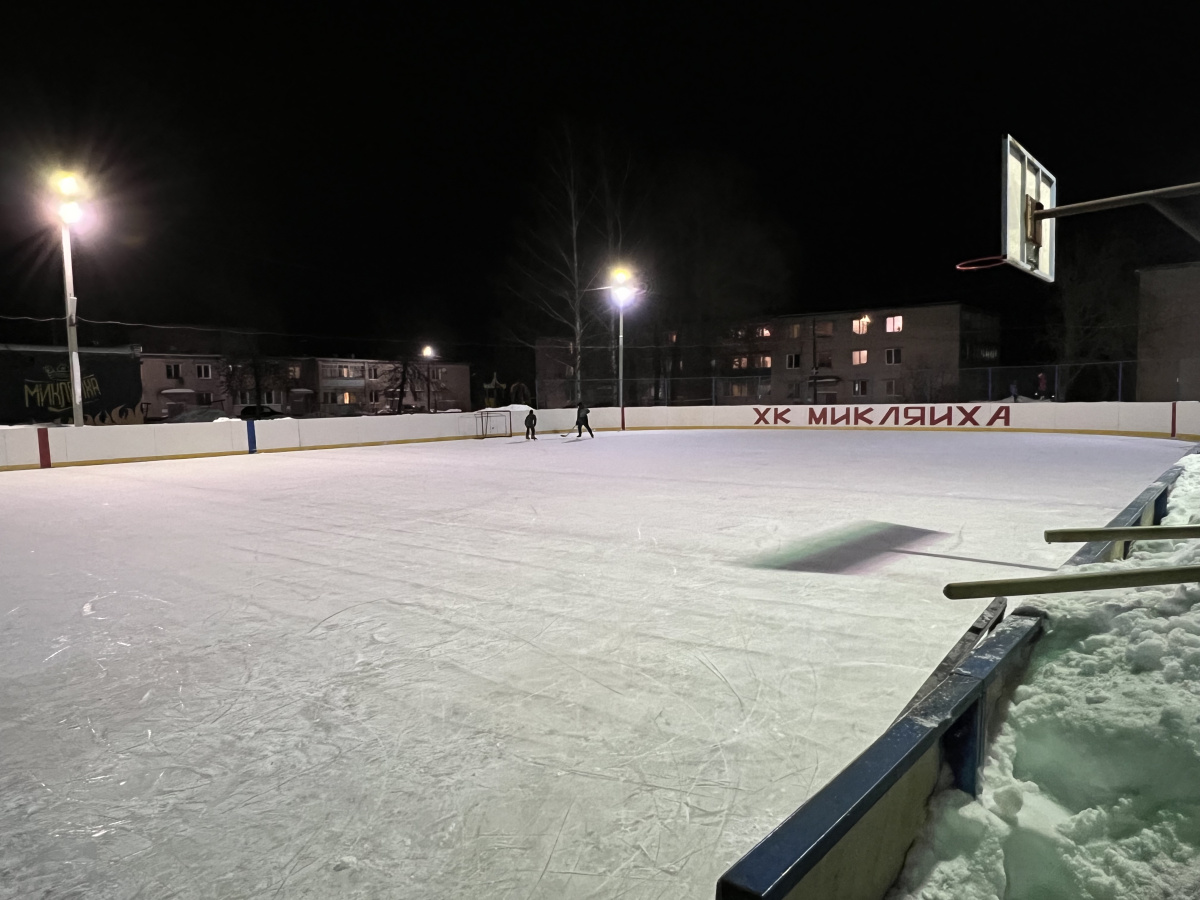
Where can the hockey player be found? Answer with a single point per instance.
(581, 420)
(531, 426)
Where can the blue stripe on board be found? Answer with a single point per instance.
(250, 436)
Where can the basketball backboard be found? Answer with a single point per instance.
(1025, 243)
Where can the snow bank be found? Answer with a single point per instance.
(1092, 788)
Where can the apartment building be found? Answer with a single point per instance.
(374, 385)
(874, 355)
(173, 383)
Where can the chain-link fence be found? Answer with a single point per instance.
(1080, 382)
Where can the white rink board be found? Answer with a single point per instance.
(483, 668)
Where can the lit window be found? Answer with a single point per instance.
(293, 371)
(741, 362)
(172, 370)
(762, 362)
(672, 336)
(794, 330)
(824, 329)
(860, 324)
(859, 357)
(739, 389)
(762, 331)
(895, 323)
(793, 361)
(892, 356)
(889, 388)
(204, 370)
(860, 389)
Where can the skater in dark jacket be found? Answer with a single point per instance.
(531, 426)
(581, 421)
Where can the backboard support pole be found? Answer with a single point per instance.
(1089, 206)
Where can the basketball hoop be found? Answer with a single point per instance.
(984, 262)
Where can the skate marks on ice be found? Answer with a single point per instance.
(865, 546)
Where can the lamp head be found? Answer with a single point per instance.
(70, 212)
(622, 286)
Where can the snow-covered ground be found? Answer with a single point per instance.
(1092, 788)
(504, 668)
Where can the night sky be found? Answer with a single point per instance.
(356, 174)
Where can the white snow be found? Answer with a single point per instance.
(488, 668)
(1092, 789)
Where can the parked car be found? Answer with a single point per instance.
(200, 414)
(259, 412)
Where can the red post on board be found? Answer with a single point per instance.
(43, 448)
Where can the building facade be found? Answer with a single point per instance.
(880, 355)
(1168, 364)
(174, 383)
(869, 355)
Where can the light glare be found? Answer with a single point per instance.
(623, 294)
(68, 185)
(427, 352)
(70, 212)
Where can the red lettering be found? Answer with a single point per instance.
(893, 413)
(861, 415)
(818, 418)
(1000, 413)
(762, 416)
(844, 420)
(935, 419)
(968, 418)
(910, 419)
(782, 416)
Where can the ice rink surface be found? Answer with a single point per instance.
(484, 668)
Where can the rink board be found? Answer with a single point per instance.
(551, 669)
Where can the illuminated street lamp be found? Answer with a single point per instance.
(624, 289)
(430, 356)
(68, 188)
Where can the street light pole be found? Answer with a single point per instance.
(621, 362)
(623, 291)
(72, 338)
(429, 355)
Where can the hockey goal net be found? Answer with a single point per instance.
(493, 423)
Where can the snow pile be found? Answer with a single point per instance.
(1092, 788)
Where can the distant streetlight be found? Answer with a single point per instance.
(67, 186)
(430, 356)
(624, 289)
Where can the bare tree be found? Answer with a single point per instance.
(1095, 312)
(577, 233)
(247, 371)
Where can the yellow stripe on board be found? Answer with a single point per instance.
(132, 459)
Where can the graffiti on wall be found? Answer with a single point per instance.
(35, 386)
